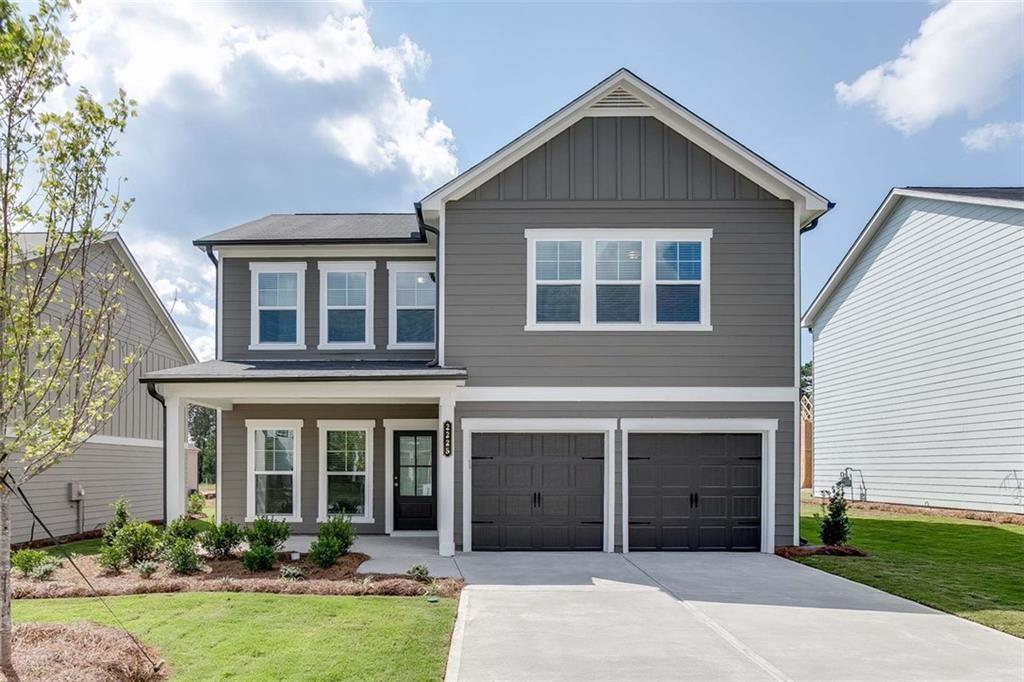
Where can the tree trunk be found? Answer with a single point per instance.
(6, 639)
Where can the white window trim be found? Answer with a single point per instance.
(299, 269)
(365, 267)
(366, 426)
(390, 427)
(251, 426)
(395, 267)
(588, 289)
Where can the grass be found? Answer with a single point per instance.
(270, 637)
(969, 568)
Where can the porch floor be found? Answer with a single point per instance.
(391, 554)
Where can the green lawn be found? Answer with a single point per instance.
(970, 568)
(205, 636)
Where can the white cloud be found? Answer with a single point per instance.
(984, 138)
(961, 60)
(205, 347)
(146, 48)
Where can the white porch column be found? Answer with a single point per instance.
(175, 436)
(446, 477)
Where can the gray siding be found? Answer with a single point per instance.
(233, 454)
(236, 314)
(784, 447)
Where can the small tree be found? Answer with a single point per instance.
(807, 379)
(61, 301)
(202, 430)
(833, 521)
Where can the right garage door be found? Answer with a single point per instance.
(694, 491)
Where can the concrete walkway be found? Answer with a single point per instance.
(660, 616)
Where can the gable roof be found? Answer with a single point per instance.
(1001, 197)
(625, 94)
(320, 228)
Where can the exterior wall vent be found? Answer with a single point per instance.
(620, 98)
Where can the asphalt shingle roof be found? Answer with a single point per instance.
(319, 228)
(301, 370)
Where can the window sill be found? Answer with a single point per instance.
(275, 517)
(277, 346)
(559, 327)
(346, 346)
(353, 519)
(410, 346)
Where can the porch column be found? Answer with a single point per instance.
(446, 477)
(175, 437)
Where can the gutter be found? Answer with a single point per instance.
(151, 388)
(203, 243)
(814, 223)
(437, 273)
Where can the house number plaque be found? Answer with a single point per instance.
(446, 439)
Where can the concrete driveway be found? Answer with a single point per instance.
(654, 616)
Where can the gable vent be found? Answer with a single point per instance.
(620, 98)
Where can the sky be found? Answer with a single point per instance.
(246, 109)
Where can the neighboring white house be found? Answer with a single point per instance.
(919, 353)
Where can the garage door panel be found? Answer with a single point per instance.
(746, 508)
(488, 473)
(518, 505)
(517, 476)
(746, 537)
(555, 505)
(487, 505)
(589, 537)
(672, 507)
(714, 476)
(555, 475)
(713, 507)
(712, 537)
(746, 476)
(589, 507)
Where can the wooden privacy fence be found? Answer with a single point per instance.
(806, 442)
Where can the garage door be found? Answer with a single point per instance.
(538, 491)
(694, 491)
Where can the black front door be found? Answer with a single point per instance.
(414, 484)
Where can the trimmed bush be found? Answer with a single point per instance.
(221, 540)
(834, 524)
(180, 528)
(268, 532)
(259, 558)
(119, 520)
(25, 560)
(340, 529)
(324, 552)
(138, 541)
(45, 569)
(111, 558)
(182, 557)
(418, 571)
(146, 569)
(195, 504)
(292, 573)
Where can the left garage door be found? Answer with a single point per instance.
(538, 491)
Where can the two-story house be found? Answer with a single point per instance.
(589, 340)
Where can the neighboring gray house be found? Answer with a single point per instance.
(588, 340)
(919, 353)
(125, 457)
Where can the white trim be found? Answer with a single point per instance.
(218, 485)
(472, 425)
(700, 394)
(766, 427)
(960, 198)
(321, 391)
(588, 282)
(367, 426)
(443, 271)
(394, 267)
(798, 361)
(299, 270)
(663, 108)
(367, 268)
(390, 426)
(299, 250)
(127, 442)
(251, 426)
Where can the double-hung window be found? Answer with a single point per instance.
(346, 305)
(346, 470)
(618, 280)
(277, 295)
(412, 294)
(274, 469)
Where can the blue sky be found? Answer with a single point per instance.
(248, 109)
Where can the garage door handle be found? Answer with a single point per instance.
(483, 523)
(601, 457)
(691, 500)
(483, 458)
(591, 523)
(633, 458)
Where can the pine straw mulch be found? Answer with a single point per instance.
(970, 514)
(229, 575)
(823, 550)
(80, 652)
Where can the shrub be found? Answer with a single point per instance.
(259, 558)
(292, 573)
(146, 569)
(118, 521)
(195, 504)
(221, 540)
(418, 571)
(182, 557)
(834, 523)
(324, 552)
(24, 560)
(45, 569)
(341, 529)
(138, 541)
(180, 528)
(111, 558)
(268, 532)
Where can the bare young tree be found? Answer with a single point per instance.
(61, 296)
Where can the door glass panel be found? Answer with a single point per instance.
(407, 450)
(424, 483)
(423, 450)
(407, 481)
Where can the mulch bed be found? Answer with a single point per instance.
(230, 576)
(971, 514)
(80, 652)
(823, 550)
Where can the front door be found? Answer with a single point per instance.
(414, 484)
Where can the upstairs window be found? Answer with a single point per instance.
(346, 305)
(413, 300)
(618, 280)
(277, 295)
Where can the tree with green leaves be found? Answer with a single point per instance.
(807, 379)
(61, 302)
(202, 431)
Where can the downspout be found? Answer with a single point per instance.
(209, 254)
(437, 270)
(814, 223)
(151, 388)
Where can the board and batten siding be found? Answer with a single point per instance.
(919, 362)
